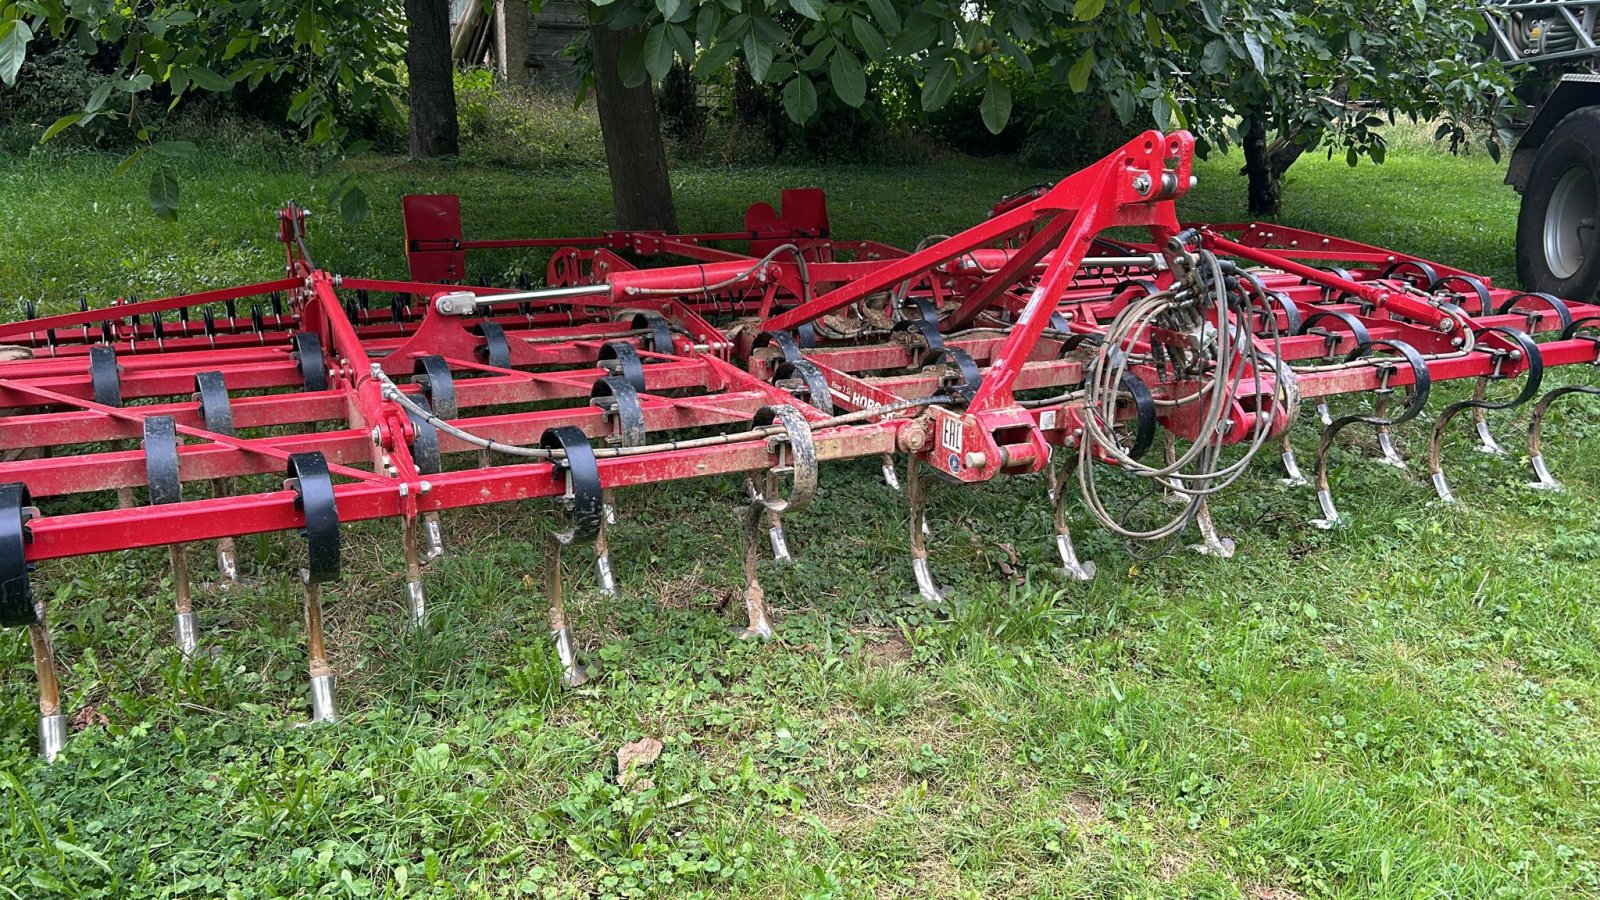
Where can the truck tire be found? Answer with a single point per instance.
(1557, 247)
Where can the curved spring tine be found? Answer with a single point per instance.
(433, 536)
(573, 672)
(1211, 543)
(52, 725)
(1390, 456)
(323, 706)
(889, 476)
(1071, 566)
(927, 586)
(1291, 468)
(1419, 399)
(755, 598)
(1536, 431)
(416, 600)
(1526, 351)
(602, 562)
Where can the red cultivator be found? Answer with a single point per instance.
(1172, 352)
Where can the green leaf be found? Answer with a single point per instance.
(60, 125)
(807, 8)
(1252, 44)
(758, 56)
(669, 8)
(939, 83)
(353, 206)
(871, 41)
(996, 105)
(14, 37)
(800, 99)
(209, 80)
(1078, 75)
(1084, 10)
(887, 16)
(848, 81)
(1215, 58)
(630, 61)
(164, 194)
(174, 149)
(98, 97)
(715, 58)
(127, 164)
(1161, 111)
(917, 35)
(657, 53)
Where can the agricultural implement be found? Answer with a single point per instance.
(1078, 330)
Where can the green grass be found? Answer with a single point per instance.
(1404, 708)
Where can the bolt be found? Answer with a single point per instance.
(976, 460)
(425, 487)
(1141, 184)
(377, 436)
(405, 489)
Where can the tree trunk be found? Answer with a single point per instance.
(432, 77)
(630, 128)
(1265, 193)
(1266, 163)
(511, 20)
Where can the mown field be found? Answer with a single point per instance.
(1402, 708)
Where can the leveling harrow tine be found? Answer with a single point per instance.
(581, 507)
(1524, 350)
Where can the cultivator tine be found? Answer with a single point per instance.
(573, 673)
(758, 626)
(1388, 456)
(161, 474)
(1291, 467)
(211, 395)
(1078, 570)
(183, 624)
(1419, 399)
(1211, 543)
(1524, 350)
(52, 725)
(314, 496)
(581, 506)
(416, 599)
(795, 455)
(324, 707)
(917, 500)
(1547, 482)
(890, 478)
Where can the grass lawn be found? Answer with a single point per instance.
(1403, 708)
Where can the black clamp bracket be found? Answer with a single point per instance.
(308, 360)
(800, 462)
(617, 397)
(810, 379)
(161, 459)
(622, 358)
(432, 375)
(313, 495)
(16, 591)
(494, 350)
(105, 376)
(215, 411)
(579, 473)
